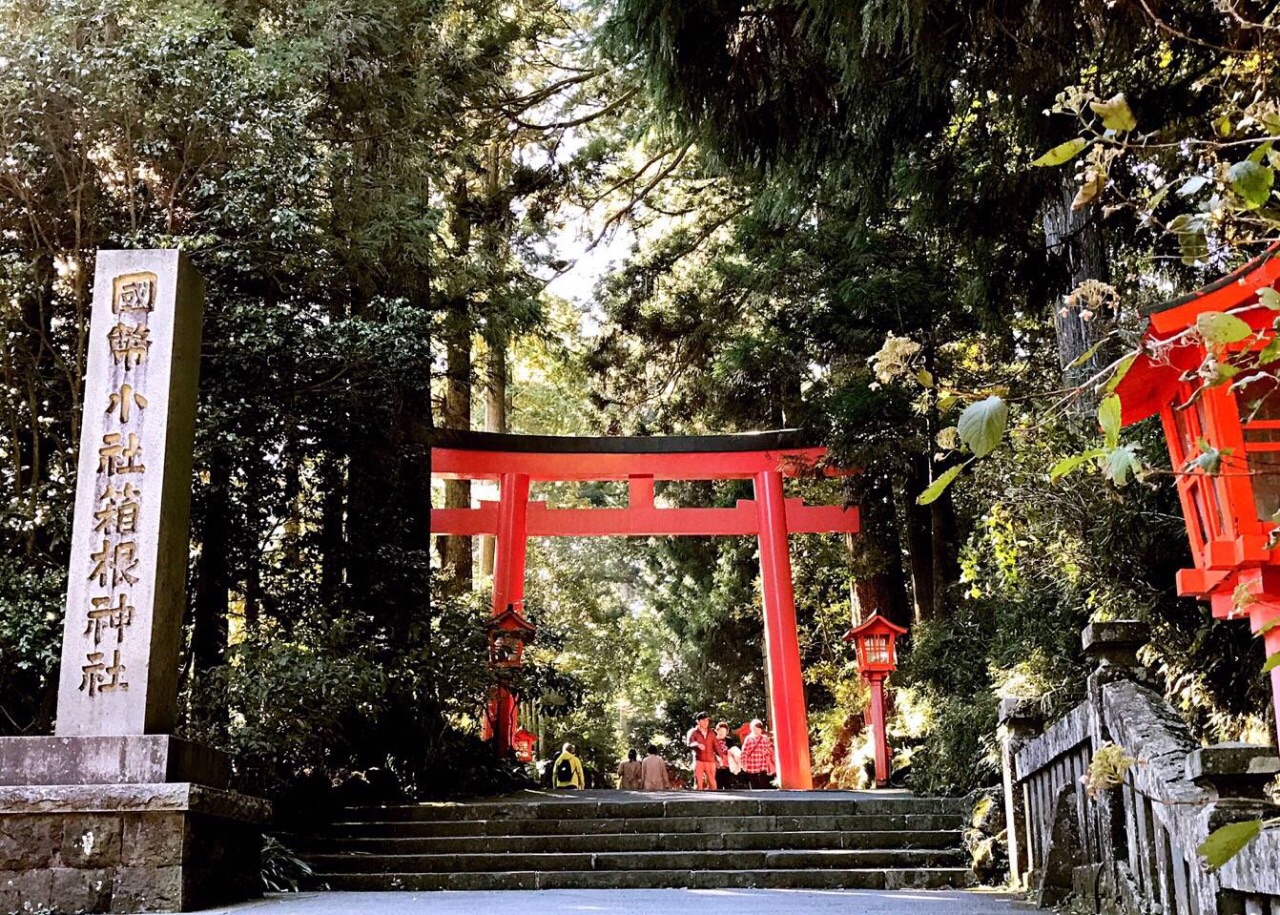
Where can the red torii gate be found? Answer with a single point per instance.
(515, 461)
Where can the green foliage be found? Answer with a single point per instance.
(1225, 842)
(282, 870)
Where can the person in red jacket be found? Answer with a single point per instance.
(706, 748)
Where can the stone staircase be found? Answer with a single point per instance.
(616, 839)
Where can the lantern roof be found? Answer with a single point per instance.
(875, 625)
(1154, 375)
(511, 620)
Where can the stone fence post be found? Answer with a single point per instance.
(1113, 648)
(1020, 721)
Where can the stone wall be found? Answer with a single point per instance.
(127, 848)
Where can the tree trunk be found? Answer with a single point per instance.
(1075, 246)
(495, 420)
(875, 556)
(919, 528)
(213, 587)
(456, 550)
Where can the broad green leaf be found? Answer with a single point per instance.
(1122, 369)
(1115, 113)
(1085, 356)
(1272, 663)
(1063, 152)
(982, 424)
(1225, 843)
(1269, 297)
(1220, 328)
(939, 486)
(1076, 461)
(1119, 463)
(1252, 182)
(1109, 419)
(1223, 126)
(946, 402)
(1271, 352)
(925, 377)
(1268, 626)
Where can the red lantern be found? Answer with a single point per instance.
(876, 644)
(1221, 420)
(523, 743)
(508, 634)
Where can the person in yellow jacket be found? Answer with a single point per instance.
(567, 770)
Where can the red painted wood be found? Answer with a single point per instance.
(456, 463)
(646, 521)
(879, 732)
(782, 645)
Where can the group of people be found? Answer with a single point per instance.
(719, 764)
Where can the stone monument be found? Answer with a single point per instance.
(113, 813)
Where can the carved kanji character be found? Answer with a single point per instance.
(105, 616)
(134, 298)
(125, 400)
(129, 343)
(119, 511)
(118, 561)
(118, 455)
(102, 678)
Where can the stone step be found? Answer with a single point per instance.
(767, 805)
(622, 842)
(685, 824)
(842, 859)
(866, 878)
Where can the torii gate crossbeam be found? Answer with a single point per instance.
(764, 458)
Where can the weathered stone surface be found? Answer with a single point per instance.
(110, 761)
(19, 889)
(1114, 646)
(99, 798)
(125, 592)
(91, 840)
(149, 889)
(28, 842)
(1234, 769)
(74, 889)
(157, 839)
(1060, 738)
(136, 847)
(1065, 852)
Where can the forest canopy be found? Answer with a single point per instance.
(923, 232)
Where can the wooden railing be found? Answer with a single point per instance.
(1133, 847)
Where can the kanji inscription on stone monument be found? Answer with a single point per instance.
(126, 587)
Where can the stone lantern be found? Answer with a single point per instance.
(876, 644)
(1206, 367)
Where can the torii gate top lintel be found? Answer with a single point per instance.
(518, 460)
(457, 454)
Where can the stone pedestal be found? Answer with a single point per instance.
(127, 848)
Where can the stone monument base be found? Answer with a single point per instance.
(151, 847)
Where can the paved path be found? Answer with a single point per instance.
(639, 902)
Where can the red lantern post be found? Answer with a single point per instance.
(508, 634)
(876, 644)
(1207, 376)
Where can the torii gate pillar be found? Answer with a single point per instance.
(782, 645)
